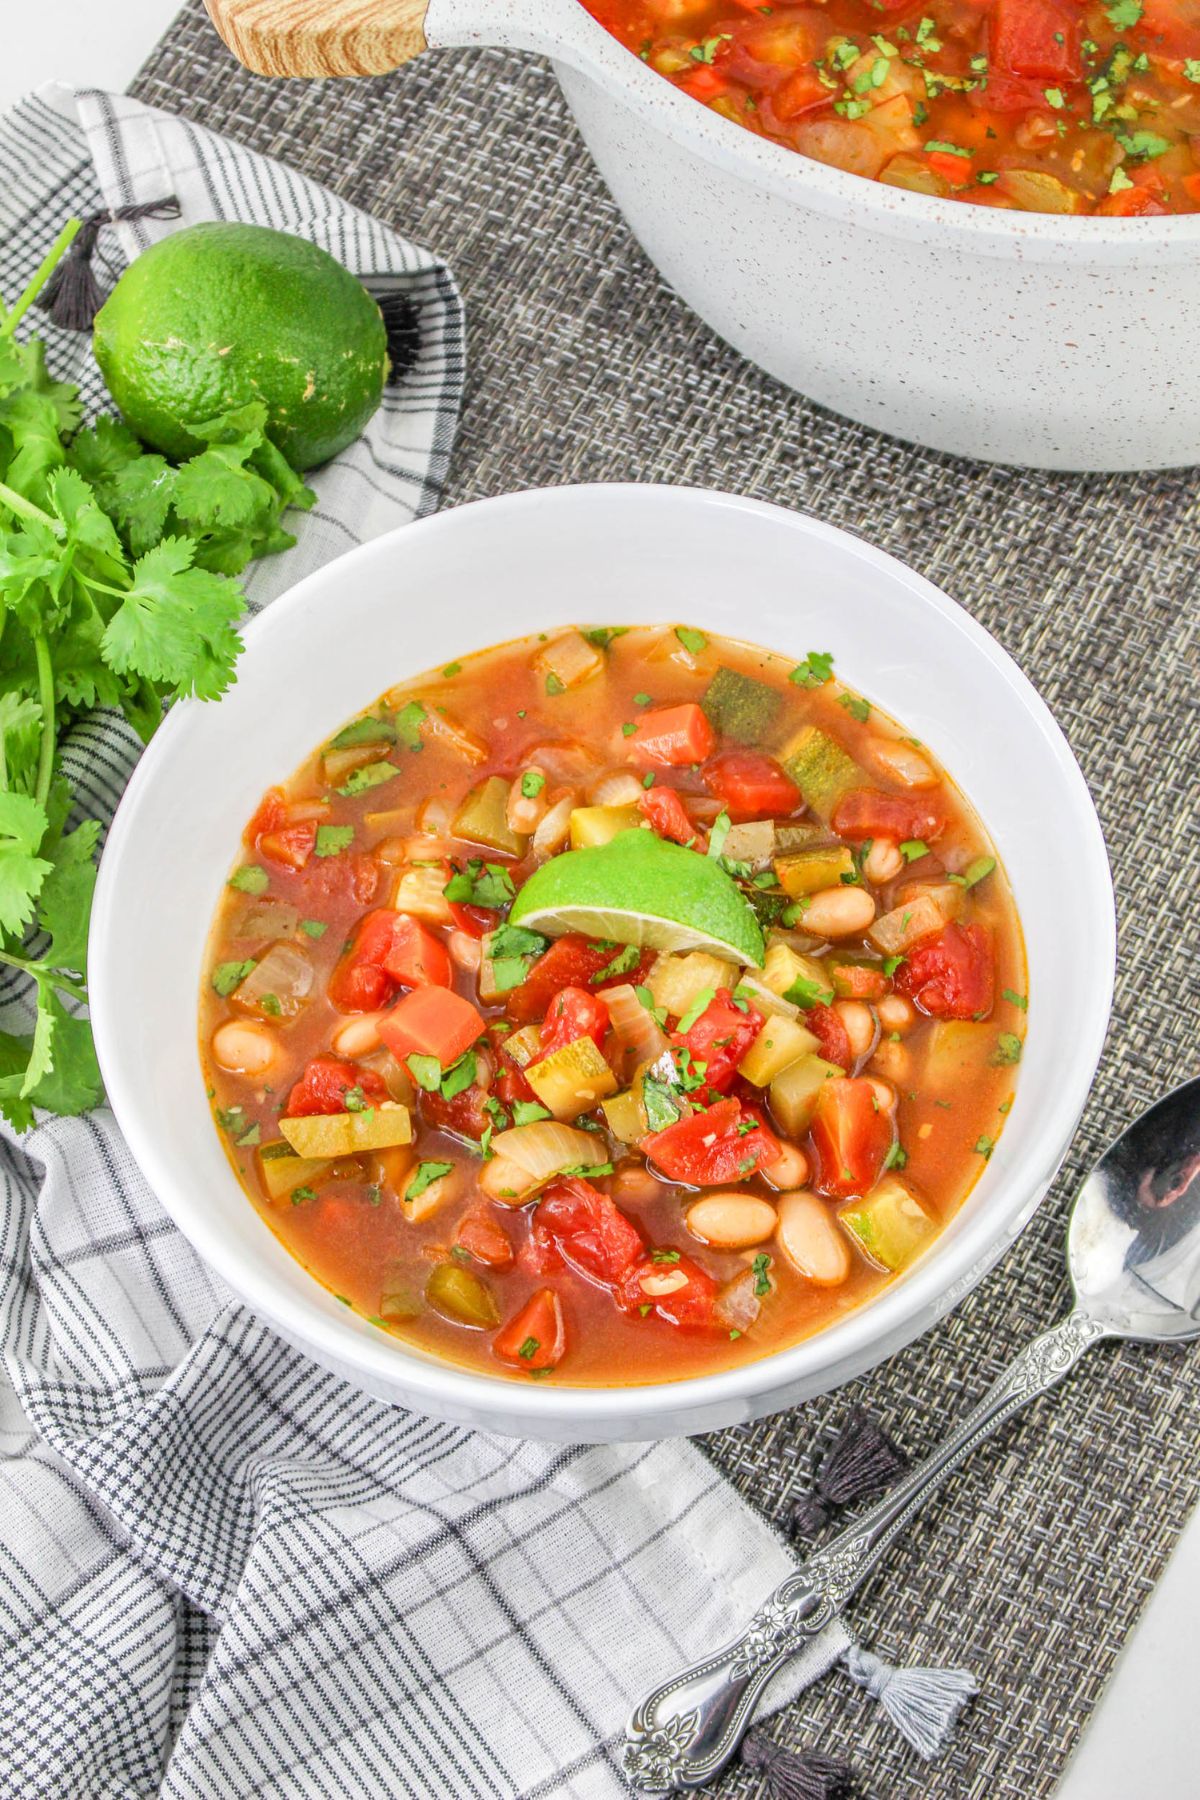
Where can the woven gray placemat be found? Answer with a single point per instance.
(583, 366)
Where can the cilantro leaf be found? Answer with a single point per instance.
(175, 624)
(23, 872)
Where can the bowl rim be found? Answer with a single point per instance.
(899, 1314)
(565, 30)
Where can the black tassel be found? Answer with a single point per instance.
(402, 321)
(798, 1774)
(73, 296)
(861, 1460)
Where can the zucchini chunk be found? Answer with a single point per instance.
(739, 707)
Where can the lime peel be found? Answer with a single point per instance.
(640, 889)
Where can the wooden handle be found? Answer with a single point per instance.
(321, 37)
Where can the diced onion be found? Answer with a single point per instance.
(634, 1025)
(736, 1304)
(283, 979)
(618, 788)
(546, 1147)
(551, 834)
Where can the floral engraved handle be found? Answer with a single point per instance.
(684, 1733)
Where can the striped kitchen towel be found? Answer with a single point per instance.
(224, 1571)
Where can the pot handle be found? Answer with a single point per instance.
(321, 37)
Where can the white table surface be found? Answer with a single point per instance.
(1144, 1738)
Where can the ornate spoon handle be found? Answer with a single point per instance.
(687, 1729)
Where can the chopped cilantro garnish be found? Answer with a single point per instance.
(370, 775)
(628, 728)
(983, 1146)
(856, 706)
(891, 964)
(641, 699)
(946, 149)
(913, 848)
(762, 1279)
(300, 1194)
(228, 975)
(426, 1071)
(694, 641)
(333, 839)
(555, 684)
(452, 669)
(427, 1173)
(896, 1158)
(314, 928)
(250, 880)
(602, 635)
(1015, 999)
(647, 1000)
(528, 1112)
(1008, 1049)
(532, 783)
(459, 1076)
(363, 731)
(409, 721)
(270, 1004)
(626, 958)
(804, 992)
(481, 884)
(1123, 15)
(662, 1108)
(664, 1256)
(702, 1001)
(529, 1348)
(587, 1170)
(718, 833)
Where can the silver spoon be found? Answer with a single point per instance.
(1133, 1252)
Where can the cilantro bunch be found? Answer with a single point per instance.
(116, 590)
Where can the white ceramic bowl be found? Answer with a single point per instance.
(453, 583)
(1065, 343)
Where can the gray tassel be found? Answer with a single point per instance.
(797, 1774)
(861, 1460)
(923, 1704)
(73, 296)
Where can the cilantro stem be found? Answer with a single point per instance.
(40, 971)
(45, 673)
(42, 274)
(25, 509)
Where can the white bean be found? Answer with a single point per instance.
(244, 1048)
(465, 950)
(885, 1096)
(883, 862)
(860, 1024)
(433, 816)
(838, 912)
(731, 1221)
(661, 1282)
(524, 812)
(896, 1013)
(811, 1241)
(789, 1170)
(901, 762)
(358, 1037)
(633, 1183)
(892, 1061)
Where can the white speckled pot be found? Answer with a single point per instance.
(1061, 343)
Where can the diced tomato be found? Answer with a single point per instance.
(415, 958)
(1009, 94)
(1141, 203)
(359, 983)
(670, 736)
(1191, 184)
(482, 1235)
(270, 815)
(852, 1135)
(867, 813)
(750, 786)
(1038, 39)
(465, 1114)
(351, 876)
(725, 1143)
(573, 1013)
(323, 1086)
(957, 170)
(292, 845)
(431, 1021)
(1176, 23)
(535, 1337)
(703, 83)
(831, 1035)
(856, 981)
(802, 90)
(511, 1085)
(359, 986)
(571, 961)
(668, 816)
(720, 1038)
(477, 921)
(690, 1302)
(951, 975)
(588, 1230)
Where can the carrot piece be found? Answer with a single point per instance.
(535, 1337)
(672, 735)
(431, 1021)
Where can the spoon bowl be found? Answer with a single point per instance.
(1133, 1242)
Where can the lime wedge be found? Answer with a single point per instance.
(639, 889)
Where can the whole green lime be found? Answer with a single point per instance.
(218, 315)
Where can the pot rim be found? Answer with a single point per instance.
(567, 33)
